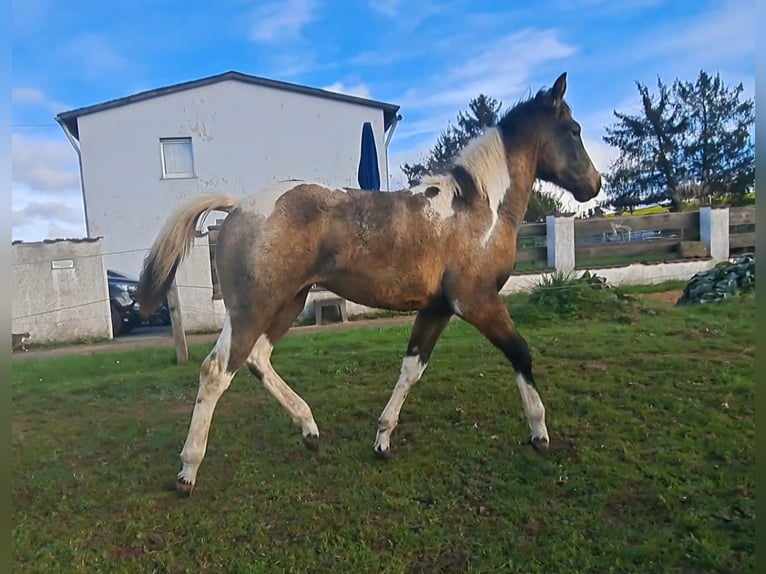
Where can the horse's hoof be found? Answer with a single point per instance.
(311, 441)
(540, 444)
(184, 487)
(383, 454)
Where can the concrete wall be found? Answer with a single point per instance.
(243, 137)
(633, 274)
(60, 291)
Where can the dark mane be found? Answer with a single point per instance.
(537, 106)
(540, 102)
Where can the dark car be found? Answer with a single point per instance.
(125, 309)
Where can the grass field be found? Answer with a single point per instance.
(652, 468)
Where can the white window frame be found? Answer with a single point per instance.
(176, 140)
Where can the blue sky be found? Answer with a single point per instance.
(431, 57)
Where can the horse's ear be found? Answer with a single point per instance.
(559, 89)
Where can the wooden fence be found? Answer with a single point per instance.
(606, 241)
(632, 238)
(741, 229)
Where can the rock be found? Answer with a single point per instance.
(725, 280)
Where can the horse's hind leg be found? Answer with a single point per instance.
(216, 373)
(259, 363)
(428, 327)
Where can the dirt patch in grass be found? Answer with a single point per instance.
(668, 297)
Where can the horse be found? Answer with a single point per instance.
(441, 248)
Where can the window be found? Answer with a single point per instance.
(177, 158)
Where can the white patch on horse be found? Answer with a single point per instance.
(411, 371)
(533, 408)
(300, 412)
(262, 201)
(439, 205)
(485, 159)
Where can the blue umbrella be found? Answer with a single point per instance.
(368, 174)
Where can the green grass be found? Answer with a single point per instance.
(652, 419)
(622, 260)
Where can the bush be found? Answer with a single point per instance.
(567, 295)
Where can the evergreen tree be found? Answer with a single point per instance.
(719, 153)
(691, 140)
(650, 144)
(541, 204)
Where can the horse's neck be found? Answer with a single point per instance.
(510, 216)
(515, 202)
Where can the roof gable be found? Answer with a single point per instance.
(69, 118)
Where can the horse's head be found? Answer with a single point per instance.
(561, 155)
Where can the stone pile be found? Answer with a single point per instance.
(725, 280)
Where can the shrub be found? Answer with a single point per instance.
(567, 295)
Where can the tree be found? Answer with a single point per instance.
(483, 112)
(596, 211)
(688, 140)
(720, 155)
(650, 143)
(541, 204)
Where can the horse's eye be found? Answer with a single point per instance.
(576, 131)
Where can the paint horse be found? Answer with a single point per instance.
(444, 247)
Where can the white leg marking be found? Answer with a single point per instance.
(411, 371)
(300, 412)
(213, 381)
(533, 409)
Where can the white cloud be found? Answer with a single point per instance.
(45, 193)
(32, 97)
(426, 126)
(27, 96)
(58, 212)
(44, 164)
(606, 7)
(28, 15)
(94, 56)
(360, 90)
(726, 32)
(503, 70)
(280, 22)
(37, 215)
(388, 8)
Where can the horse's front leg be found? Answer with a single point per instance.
(489, 315)
(428, 327)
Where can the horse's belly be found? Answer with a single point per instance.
(385, 290)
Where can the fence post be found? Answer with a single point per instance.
(714, 232)
(561, 242)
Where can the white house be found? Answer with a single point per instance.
(141, 155)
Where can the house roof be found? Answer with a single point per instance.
(69, 118)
